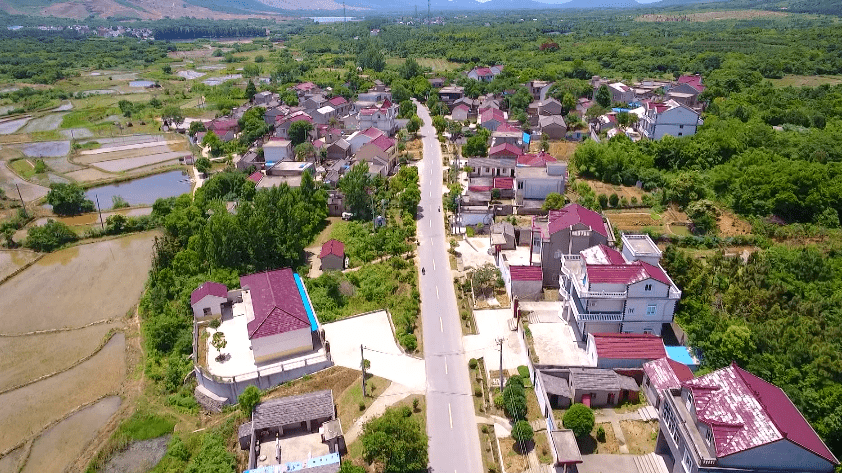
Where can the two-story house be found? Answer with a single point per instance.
(604, 291)
(382, 117)
(621, 93)
(485, 74)
(733, 421)
(450, 94)
(668, 118)
(565, 232)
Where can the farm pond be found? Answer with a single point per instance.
(143, 191)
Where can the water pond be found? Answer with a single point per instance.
(143, 191)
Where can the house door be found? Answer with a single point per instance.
(625, 395)
(610, 399)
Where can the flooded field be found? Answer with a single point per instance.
(11, 460)
(121, 165)
(11, 126)
(12, 260)
(99, 281)
(45, 123)
(26, 411)
(47, 149)
(144, 191)
(43, 354)
(58, 447)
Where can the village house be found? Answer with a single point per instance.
(623, 350)
(208, 299)
(306, 89)
(382, 117)
(562, 386)
(380, 154)
(264, 98)
(225, 128)
(490, 167)
(553, 127)
(523, 282)
(491, 119)
(732, 420)
(662, 375)
(251, 158)
(668, 118)
(332, 255)
(276, 150)
(450, 94)
(314, 103)
(620, 93)
(686, 91)
(338, 150)
(339, 104)
(460, 113)
(606, 292)
(514, 138)
(539, 88)
(565, 232)
(286, 172)
(323, 115)
(283, 123)
(504, 151)
(359, 138)
(436, 82)
(537, 182)
(485, 74)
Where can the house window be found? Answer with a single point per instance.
(681, 127)
(689, 403)
(631, 310)
(647, 287)
(520, 185)
(680, 134)
(671, 422)
(709, 436)
(650, 309)
(687, 462)
(648, 331)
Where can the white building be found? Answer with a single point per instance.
(275, 151)
(609, 292)
(668, 118)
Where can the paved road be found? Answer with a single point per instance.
(451, 425)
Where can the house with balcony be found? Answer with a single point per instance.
(606, 292)
(668, 118)
(565, 232)
(730, 420)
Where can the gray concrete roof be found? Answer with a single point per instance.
(600, 380)
(566, 447)
(554, 384)
(294, 409)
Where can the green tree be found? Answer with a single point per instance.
(251, 90)
(371, 58)
(522, 432)
(173, 114)
(303, 151)
(439, 123)
(703, 214)
(554, 201)
(126, 107)
(603, 96)
(213, 142)
(603, 201)
(580, 419)
(203, 165)
(49, 236)
(410, 69)
(613, 200)
(166, 69)
(355, 186)
(218, 341)
(298, 132)
(414, 124)
(68, 199)
(396, 441)
(196, 127)
(476, 145)
(249, 400)
(40, 166)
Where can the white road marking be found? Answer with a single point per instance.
(437, 294)
(445, 366)
(441, 324)
(434, 261)
(431, 224)
(450, 414)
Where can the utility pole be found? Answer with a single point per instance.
(344, 17)
(429, 18)
(500, 342)
(22, 203)
(362, 365)
(101, 224)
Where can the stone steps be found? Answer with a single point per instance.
(648, 413)
(650, 463)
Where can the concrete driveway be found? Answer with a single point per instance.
(387, 360)
(555, 344)
(491, 325)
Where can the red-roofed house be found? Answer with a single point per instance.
(539, 160)
(380, 154)
(504, 150)
(339, 104)
(732, 420)
(485, 74)
(333, 255)
(207, 300)
(663, 374)
(604, 292)
(565, 232)
(256, 177)
(624, 350)
(492, 118)
(523, 281)
(460, 113)
(382, 117)
(668, 118)
(306, 88)
(281, 320)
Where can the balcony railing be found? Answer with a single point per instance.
(595, 316)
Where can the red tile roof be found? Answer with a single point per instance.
(745, 412)
(369, 111)
(507, 183)
(534, 160)
(305, 86)
(373, 132)
(492, 114)
(602, 254)
(572, 214)
(508, 127)
(277, 304)
(505, 149)
(333, 247)
(208, 289)
(338, 100)
(386, 104)
(629, 346)
(482, 71)
(666, 373)
(256, 177)
(526, 273)
(694, 81)
(629, 273)
(479, 188)
(383, 142)
(462, 107)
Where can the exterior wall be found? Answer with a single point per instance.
(210, 302)
(281, 345)
(780, 455)
(598, 398)
(540, 188)
(460, 115)
(652, 396)
(277, 153)
(554, 131)
(333, 262)
(613, 363)
(527, 290)
(473, 218)
(676, 122)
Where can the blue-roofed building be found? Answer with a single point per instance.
(682, 355)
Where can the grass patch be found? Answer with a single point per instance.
(488, 448)
(640, 436)
(806, 81)
(589, 444)
(351, 404)
(144, 426)
(513, 459)
(23, 168)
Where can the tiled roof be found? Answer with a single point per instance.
(492, 114)
(628, 273)
(338, 100)
(369, 111)
(508, 127)
(572, 214)
(507, 183)
(745, 412)
(482, 71)
(629, 346)
(535, 160)
(665, 373)
(694, 81)
(278, 307)
(383, 142)
(256, 177)
(333, 247)
(505, 149)
(293, 410)
(526, 273)
(602, 254)
(305, 86)
(462, 107)
(208, 289)
(373, 132)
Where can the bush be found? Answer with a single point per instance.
(473, 363)
(613, 200)
(580, 419)
(248, 400)
(523, 372)
(49, 236)
(215, 323)
(522, 432)
(409, 342)
(600, 434)
(68, 199)
(603, 200)
(362, 406)
(498, 401)
(469, 231)
(478, 392)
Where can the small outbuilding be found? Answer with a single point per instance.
(661, 374)
(333, 255)
(624, 350)
(526, 282)
(207, 300)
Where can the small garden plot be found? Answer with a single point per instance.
(88, 175)
(120, 165)
(640, 436)
(592, 443)
(190, 75)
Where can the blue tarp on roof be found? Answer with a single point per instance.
(682, 355)
(527, 138)
(620, 110)
(307, 306)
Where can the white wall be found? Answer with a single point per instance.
(282, 344)
(208, 301)
(678, 121)
(538, 188)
